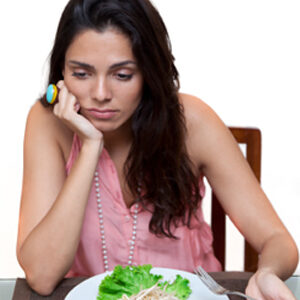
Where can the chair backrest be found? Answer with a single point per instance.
(251, 137)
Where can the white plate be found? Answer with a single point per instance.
(88, 289)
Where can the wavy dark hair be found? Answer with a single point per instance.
(158, 161)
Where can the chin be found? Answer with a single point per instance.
(107, 126)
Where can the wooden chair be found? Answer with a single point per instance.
(251, 137)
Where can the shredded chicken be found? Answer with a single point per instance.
(153, 293)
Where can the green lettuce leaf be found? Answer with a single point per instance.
(179, 288)
(131, 280)
(127, 280)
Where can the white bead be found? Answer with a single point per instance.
(133, 237)
(104, 251)
(129, 262)
(105, 257)
(96, 184)
(103, 247)
(134, 222)
(134, 232)
(132, 242)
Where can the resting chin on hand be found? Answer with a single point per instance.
(265, 285)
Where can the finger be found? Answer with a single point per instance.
(65, 97)
(60, 105)
(69, 100)
(60, 84)
(62, 91)
(77, 107)
(67, 106)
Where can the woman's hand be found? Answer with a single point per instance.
(67, 109)
(265, 285)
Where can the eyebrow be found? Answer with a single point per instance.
(114, 66)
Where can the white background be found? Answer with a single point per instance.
(241, 57)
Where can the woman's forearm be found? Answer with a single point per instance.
(279, 255)
(48, 252)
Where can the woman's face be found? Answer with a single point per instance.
(102, 73)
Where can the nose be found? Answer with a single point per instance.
(101, 89)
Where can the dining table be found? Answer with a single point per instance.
(230, 280)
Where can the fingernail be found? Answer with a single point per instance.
(77, 107)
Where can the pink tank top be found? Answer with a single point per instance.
(193, 248)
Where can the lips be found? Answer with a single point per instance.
(104, 114)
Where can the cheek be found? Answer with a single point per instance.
(135, 91)
(133, 99)
(78, 89)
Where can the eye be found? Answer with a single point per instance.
(124, 77)
(80, 75)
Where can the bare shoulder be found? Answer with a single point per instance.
(205, 129)
(44, 127)
(42, 119)
(197, 112)
(200, 118)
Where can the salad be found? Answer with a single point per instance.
(137, 283)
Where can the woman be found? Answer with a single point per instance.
(113, 172)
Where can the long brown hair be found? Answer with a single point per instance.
(158, 160)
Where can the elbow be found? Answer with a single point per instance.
(41, 275)
(292, 251)
(295, 254)
(41, 284)
(38, 278)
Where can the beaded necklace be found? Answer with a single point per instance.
(101, 224)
